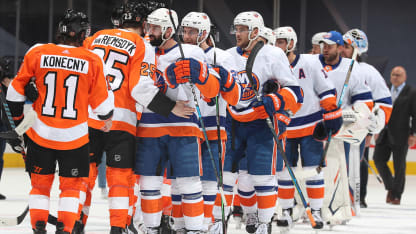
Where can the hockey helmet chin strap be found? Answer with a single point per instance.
(250, 41)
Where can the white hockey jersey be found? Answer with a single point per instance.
(318, 93)
(380, 91)
(270, 63)
(155, 125)
(357, 90)
(225, 60)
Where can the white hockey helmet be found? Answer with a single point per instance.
(358, 39)
(289, 34)
(198, 20)
(161, 17)
(318, 37)
(269, 35)
(251, 19)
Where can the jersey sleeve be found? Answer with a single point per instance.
(381, 94)
(101, 99)
(211, 88)
(16, 90)
(141, 82)
(291, 92)
(359, 90)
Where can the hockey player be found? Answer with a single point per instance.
(357, 97)
(252, 137)
(356, 38)
(173, 142)
(130, 63)
(195, 29)
(316, 43)
(69, 78)
(319, 105)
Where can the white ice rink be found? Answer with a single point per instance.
(379, 218)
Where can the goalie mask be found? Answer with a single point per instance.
(357, 39)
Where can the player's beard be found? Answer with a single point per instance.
(331, 57)
(155, 41)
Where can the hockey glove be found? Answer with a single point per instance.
(333, 120)
(270, 86)
(186, 70)
(209, 101)
(31, 92)
(282, 121)
(227, 81)
(273, 103)
(319, 132)
(16, 145)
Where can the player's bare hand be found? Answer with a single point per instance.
(182, 109)
(107, 125)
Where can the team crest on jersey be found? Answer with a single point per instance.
(160, 81)
(247, 91)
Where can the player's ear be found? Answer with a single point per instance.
(168, 33)
(254, 33)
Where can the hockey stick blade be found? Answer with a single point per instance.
(27, 123)
(13, 221)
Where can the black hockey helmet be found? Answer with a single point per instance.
(116, 16)
(137, 11)
(7, 66)
(74, 23)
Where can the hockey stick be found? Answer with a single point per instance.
(26, 123)
(7, 221)
(199, 113)
(344, 89)
(372, 169)
(217, 115)
(249, 69)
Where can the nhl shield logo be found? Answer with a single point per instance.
(74, 172)
(117, 157)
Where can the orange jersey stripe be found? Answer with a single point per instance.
(329, 103)
(290, 101)
(179, 131)
(302, 132)
(387, 111)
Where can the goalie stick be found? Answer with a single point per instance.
(249, 69)
(13, 221)
(219, 179)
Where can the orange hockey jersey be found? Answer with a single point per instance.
(69, 79)
(130, 66)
